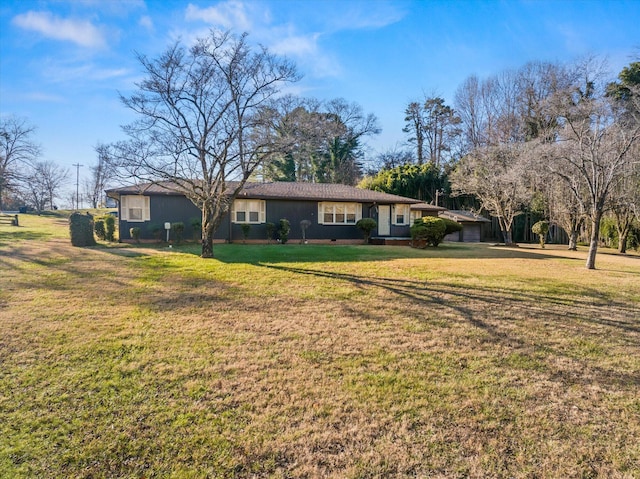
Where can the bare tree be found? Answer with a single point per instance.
(17, 151)
(624, 200)
(593, 147)
(563, 209)
(43, 182)
(102, 172)
(205, 118)
(497, 176)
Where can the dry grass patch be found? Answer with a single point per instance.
(460, 362)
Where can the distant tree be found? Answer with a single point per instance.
(207, 114)
(17, 152)
(411, 180)
(497, 176)
(325, 141)
(391, 158)
(434, 127)
(102, 172)
(441, 130)
(43, 182)
(415, 128)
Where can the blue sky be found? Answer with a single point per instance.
(62, 63)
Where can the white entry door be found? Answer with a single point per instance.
(384, 220)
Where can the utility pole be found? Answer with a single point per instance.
(77, 165)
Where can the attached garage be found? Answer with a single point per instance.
(472, 225)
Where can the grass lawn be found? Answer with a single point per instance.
(315, 361)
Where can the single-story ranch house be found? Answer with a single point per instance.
(331, 209)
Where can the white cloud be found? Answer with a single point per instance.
(80, 32)
(296, 45)
(78, 74)
(230, 15)
(146, 22)
(44, 97)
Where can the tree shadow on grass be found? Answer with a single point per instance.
(584, 309)
(12, 236)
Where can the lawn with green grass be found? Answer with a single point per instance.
(468, 360)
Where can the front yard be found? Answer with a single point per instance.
(315, 360)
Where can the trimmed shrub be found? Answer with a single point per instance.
(99, 228)
(428, 230)
(110, 227)
(541, 228)
(81, 230)
(178, 231)
(366, 225)
(451, 226)
(156, 230)
(135, 233)
(283, 231)
(270, 229)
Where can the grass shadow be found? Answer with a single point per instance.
(478, 306)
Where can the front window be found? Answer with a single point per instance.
(135, 208)
(339, 213)
(401, 215)
(248, 211)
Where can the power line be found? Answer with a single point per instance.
(77, 165)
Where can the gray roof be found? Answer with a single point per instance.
(277, 190)
(464, 215)
(426, 207)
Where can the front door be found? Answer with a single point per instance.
(384, 220)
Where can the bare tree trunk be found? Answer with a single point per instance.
(573, 240)
(622, 241)
(595, 234)
(208, 231)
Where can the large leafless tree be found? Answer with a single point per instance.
(593, 149)
(205, 117)
(498, 177)
(42, 184)
(18, 151)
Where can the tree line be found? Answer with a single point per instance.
(560, 140)
(28, 181)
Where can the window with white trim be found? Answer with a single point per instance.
(339, 213)
(401, 214)
(135, 208)
(248, 211)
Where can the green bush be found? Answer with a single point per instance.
(178, 231)
(541, 228)
(366, 225)
(156, 230)
(99, 228)
(81, 230)
(110, 227)
(451, 226)
(135, 233)
(270, 229)
(428, 230)
(283, 231)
